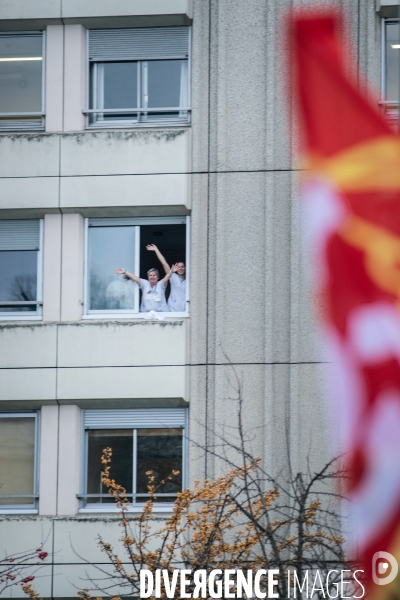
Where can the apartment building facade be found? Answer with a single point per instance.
(124, 124)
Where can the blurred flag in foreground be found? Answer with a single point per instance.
(351, 198)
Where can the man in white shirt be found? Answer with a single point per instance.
(177, 297)
(153, 290)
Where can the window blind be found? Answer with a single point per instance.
(20, 234)
(124, 222)
(139, 44)
(135, 418)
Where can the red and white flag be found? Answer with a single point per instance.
(351, 197)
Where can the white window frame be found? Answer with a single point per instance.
(26, 509)
(129, 314)
(38, 314)
(136, 123)
(134, 507)
(22, 125)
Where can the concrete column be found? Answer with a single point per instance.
(72, 267)
(48, 460)
(54, 77)
(52, 268)
(74, 77)
(69, 459)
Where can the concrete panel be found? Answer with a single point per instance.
(121, 382)
(29, 193)
(125, 191)
(21, 533)
(126, 152)
(27, 384)
(130, 343)
(26, 9)
(80, 535)
(27, 345)
(70, 444)
(74, 77)
(72, 267)
(312, 416)
(54, 77)
(52, 268)
(87, 8)
(48, 468)
(29, 155)
(71, 578)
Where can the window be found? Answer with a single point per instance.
(142, 440)
(391, 67)
(18, 486)
(21, 77)
(138, 77)
(121, 243)
(20, 269)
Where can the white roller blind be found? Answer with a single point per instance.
(124, 222)
(139, 44)
(137, 418)
(20, 234)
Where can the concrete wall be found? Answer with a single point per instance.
(119, 173)
(88, 363)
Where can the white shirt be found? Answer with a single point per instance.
(153, 298)
(177, 297)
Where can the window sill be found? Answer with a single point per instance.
(163, 125)
(18, 511)
(167, 508)
(135, 316)
(18, 318)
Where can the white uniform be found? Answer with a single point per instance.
(153, 298)
(177, 297)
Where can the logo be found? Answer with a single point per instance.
(384, 568)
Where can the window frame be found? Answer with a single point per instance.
(127, 313)
(42, 113)
(38, 314)
(387, 105)
(127, 124)
(34, 507)
(135, 507)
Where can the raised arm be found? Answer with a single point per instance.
(129, 275)
(173, 269)
(161, 258)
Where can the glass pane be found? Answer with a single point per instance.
(392, 61)
(160, 451)
(18, 278)
(17, 458)
(109, 249)
(20, 73)
(114, 85)
(121, 442)
(164, 85)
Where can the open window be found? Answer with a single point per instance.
(18, 462)
(142, 440)
(121, 243)
(138, 77)
(21, 269)
(22, 81)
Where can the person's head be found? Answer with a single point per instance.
(181, 269)
(153, 276)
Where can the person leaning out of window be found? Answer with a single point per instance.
(177, 297)
(153, 290)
